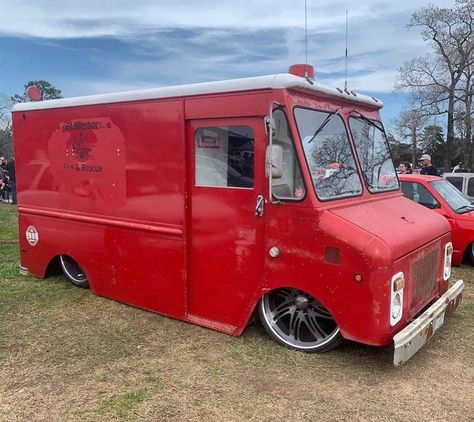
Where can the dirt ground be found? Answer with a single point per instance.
(67, 355)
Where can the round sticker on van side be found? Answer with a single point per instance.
(32, 235)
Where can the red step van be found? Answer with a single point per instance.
(211, 202)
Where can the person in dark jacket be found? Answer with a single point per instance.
(12, 179)
(427, 168)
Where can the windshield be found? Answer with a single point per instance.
(374, 155)
(328, 154)
(455, 199)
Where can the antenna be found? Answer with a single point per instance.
(306, 29)
(345, 80)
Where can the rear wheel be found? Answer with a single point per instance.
(298, 321)
(73, 271)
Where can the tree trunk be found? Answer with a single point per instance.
(413, 145)
(449, 131)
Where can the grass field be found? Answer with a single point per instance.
(67, 355)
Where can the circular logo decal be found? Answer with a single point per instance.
(32, 235)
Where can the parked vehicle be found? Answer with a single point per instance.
(442, 197)
(211, 202)
(464, 182)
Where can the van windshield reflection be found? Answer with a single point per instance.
(328, 154)
(374, 155)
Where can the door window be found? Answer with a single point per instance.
(418, 193)
(470, 187)
(290, 185)
(456, 181)
(224, 156)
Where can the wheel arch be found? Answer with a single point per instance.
(252, 313)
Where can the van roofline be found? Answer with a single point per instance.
(278, 81)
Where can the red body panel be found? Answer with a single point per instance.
(113, 186)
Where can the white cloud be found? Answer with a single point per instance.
(192, 41)
(375, 82)
(88, 18)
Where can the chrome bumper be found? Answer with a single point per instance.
(412, 338)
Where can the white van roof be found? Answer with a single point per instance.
(278, 81)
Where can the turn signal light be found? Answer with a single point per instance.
(449, 250)
(398, 284)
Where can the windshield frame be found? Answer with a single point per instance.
(453, 188)
(333, 114)
(379, 126)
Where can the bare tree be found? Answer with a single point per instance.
(433, 80)
(409, 126)
(6, 142)
(464, 111)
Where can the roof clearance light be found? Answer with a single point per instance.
(303, 70)
(33, 93)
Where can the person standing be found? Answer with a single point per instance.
(12, 179)
(4, 176)
(427, 169)
(405, 168)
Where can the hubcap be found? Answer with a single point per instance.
(301, 302)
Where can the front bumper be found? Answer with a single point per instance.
(413, 337)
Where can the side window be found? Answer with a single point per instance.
(456, 181)
(408, 190)
(424, 197)
(470, 187)
(224, 156)
(290, 185)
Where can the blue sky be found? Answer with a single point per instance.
(92, 47)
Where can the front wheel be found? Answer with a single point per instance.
(470, 253)
(298, 321)
(73, 272)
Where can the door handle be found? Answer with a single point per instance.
(260, 207)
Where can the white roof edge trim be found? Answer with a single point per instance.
(279, 81)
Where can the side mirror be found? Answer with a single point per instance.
(270, 125)
(274, 156)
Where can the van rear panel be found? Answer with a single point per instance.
(105, 184)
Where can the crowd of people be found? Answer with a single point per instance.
(427, 167)
(7, 181)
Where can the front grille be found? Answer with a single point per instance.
(424, 279)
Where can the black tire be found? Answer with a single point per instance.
(298, 321)
(73, 272)
(470, 253)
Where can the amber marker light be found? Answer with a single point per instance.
(398, 284)
(358, 278)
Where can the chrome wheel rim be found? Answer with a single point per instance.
(298, 319)
(73, 270)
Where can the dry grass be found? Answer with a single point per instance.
(66, 355)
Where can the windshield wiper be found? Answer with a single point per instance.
(326, 121)
(366, 119)
(465, 208)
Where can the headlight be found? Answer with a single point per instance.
(396, 306)
(396, 298)
(448, 257)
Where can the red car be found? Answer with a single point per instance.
(441, 196)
